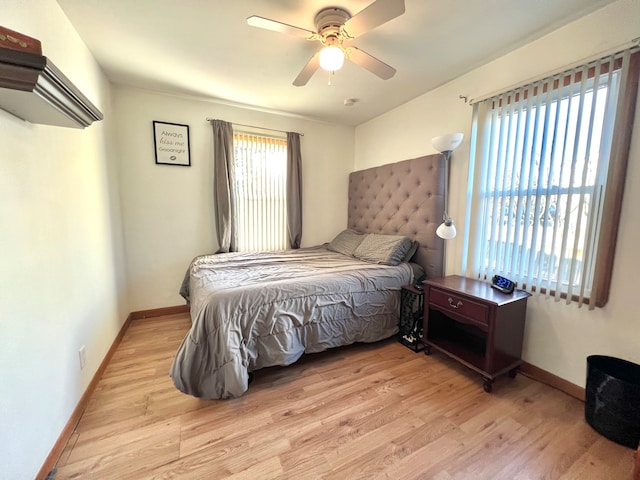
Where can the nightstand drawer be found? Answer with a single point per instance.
(457, 306)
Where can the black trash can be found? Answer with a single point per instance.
(612, 403)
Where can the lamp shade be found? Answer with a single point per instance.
(446, 230)
(331, 58)
(448, 142)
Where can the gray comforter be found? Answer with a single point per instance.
(254, 310)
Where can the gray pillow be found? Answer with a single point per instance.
(383, 249)
(412, 251)
(346, 242)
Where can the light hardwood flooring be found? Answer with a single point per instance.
(365, 411)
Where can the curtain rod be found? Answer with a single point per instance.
(262, 128)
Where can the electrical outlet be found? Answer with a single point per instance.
(82, 353)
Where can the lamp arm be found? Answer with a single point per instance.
(447, 157)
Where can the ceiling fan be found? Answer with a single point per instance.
(334, 27)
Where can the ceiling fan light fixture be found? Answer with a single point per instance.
(331, 58)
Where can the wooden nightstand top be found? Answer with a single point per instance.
(477, 289)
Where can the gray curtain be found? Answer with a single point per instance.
(294, 190)
(222, 191)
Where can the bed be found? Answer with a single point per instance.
(252, 310)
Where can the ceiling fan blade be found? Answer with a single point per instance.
(379, 12)
(307, 72)
(267, 24)
(370, 63)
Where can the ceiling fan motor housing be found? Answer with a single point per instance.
(329, 20)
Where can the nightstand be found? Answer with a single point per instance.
(475, 324)
(411, 310)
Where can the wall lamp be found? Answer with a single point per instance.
(446, 144)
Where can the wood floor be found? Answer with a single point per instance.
(365, 411)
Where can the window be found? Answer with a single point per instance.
(259, 183)
(547, 159)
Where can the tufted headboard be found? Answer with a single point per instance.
(402, 198)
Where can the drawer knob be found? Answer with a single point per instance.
(458, 304)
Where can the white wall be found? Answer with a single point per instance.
(558, 337)
(168, 210)
(64, 231)
(61, 263)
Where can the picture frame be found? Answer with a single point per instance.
(171, 141)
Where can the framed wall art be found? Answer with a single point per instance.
(171, 143)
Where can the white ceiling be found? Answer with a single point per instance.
(205, 48)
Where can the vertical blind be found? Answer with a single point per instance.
(259, 180)
(542, 154)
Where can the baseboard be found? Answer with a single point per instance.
(159, 312)
(552, 380)
(68, 429)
